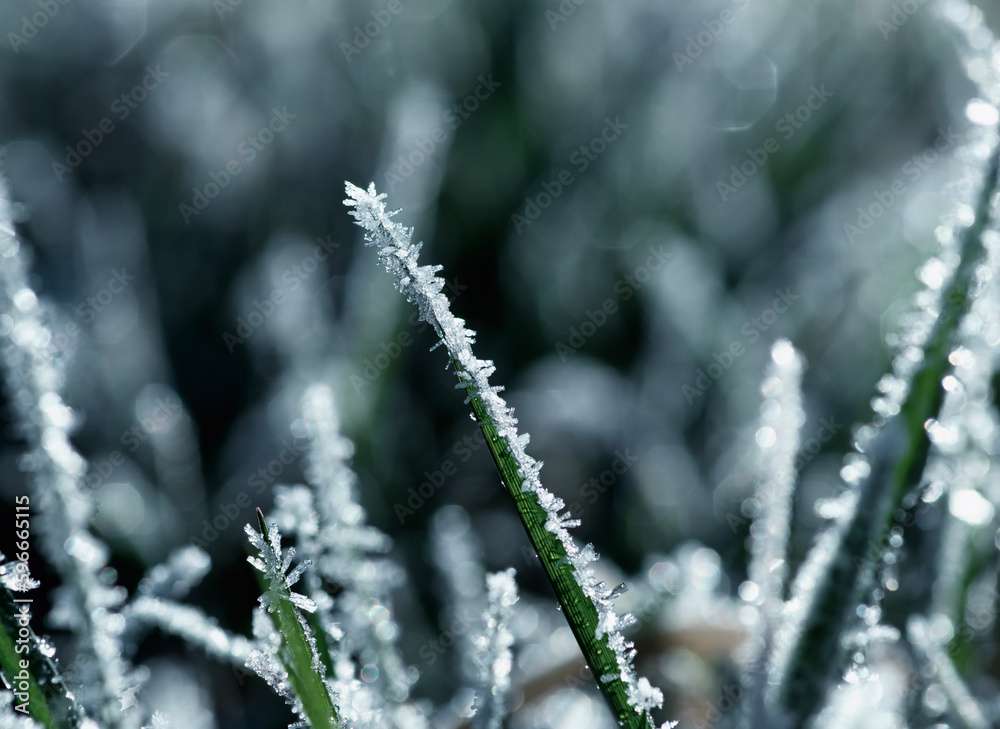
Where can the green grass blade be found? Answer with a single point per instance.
(296, 654)
(49, 701)
(577, 607)
(586, 603)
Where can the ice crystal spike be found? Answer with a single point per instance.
(586, 606)
(618, 591)
(274, 564)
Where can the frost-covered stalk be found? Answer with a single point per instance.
(586, 602)
(192, 625)
(355, 633)
(778, 439)
(966, 708)
(155, 605)
(495, 658)
(34, 372)
(344, 545)
(287, 659)
(456, 553)
(892, 451)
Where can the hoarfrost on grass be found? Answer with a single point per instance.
(423, 288)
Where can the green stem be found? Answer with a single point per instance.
(49, 701)
(576, 606)
(296, 656)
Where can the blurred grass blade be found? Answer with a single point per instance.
(836, 577)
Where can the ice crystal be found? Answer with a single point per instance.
(184, 570)
(16, 576)
(778, 441)
(823, 591)
(274, 564)
(778, 436)
(423, 287)
(264, 661)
